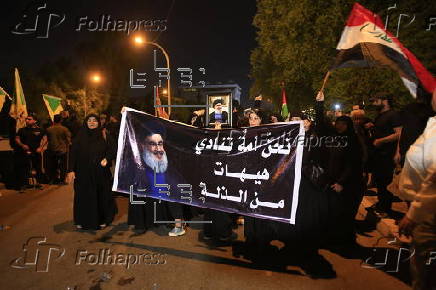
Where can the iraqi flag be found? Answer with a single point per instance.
(365, 43)
(53, 105)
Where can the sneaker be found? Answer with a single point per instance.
(175, 232)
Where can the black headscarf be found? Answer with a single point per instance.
(353, 141)
(91, 132)
(350, 126)
(89, 146)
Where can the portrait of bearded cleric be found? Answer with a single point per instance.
(154, 154)
(154, 168)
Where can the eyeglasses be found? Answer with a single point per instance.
(154, 144)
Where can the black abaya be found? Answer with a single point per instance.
(93, 201)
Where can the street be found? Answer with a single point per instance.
(56, 256)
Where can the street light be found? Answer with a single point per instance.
(96, 78)
(337, 107)
(139, 41)
(93, 78)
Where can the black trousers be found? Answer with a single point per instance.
(383, 173)
(56, 161)
(26, 165)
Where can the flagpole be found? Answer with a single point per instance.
(325, 81)
(156, 92)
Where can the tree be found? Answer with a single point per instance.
(297, 41)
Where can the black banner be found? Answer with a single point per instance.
(250, 171)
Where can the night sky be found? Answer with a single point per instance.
(217, 35)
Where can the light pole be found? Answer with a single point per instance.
(139, 40)
(94, 78)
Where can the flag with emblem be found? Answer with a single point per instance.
(19, 108)
(53, 105)
(366, 43)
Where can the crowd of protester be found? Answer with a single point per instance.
(42, 150)
(334, 178)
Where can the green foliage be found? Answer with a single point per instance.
(297, 41)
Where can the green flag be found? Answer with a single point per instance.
(53, 105)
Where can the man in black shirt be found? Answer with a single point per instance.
(28, 152)
(387, 126)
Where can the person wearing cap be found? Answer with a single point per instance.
(387, 126)
(218, 115)
(155, 169)
(418, 185)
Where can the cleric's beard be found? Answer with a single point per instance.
(159, 165)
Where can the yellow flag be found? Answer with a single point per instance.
(3, 96)
(19, 108)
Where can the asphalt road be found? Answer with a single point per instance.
(42, 250)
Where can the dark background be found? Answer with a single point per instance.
(217, 35)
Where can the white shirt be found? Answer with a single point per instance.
(418, 177)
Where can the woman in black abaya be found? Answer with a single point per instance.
(345, 172)
(90, 158)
